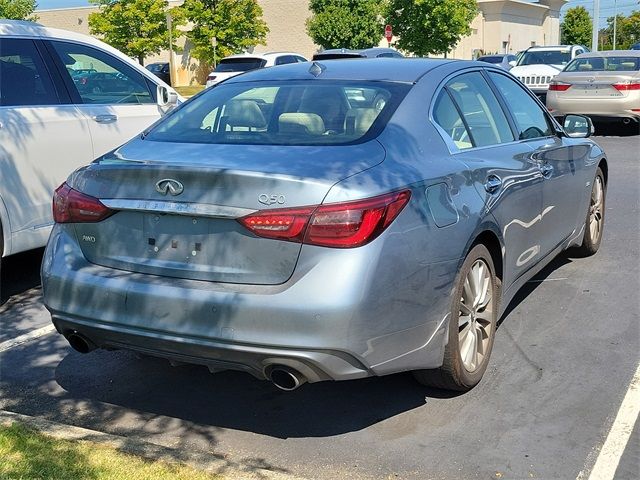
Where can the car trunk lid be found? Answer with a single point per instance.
(194, 233)
(596, 85)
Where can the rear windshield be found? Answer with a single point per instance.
(545, 57)
(308, 112)
(604, 64)
(155, 67)
(491, 59)
(239, 64)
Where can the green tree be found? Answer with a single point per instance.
(576, 27)
(18, 9)
(631, 28)
(237, 26)
(427, 27)
(346, 23)
(137, 28)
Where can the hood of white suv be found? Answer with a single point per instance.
(538, 69)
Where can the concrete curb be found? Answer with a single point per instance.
(213, 463)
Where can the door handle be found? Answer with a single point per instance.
(105, 118)
(493, 184)
(546, 169)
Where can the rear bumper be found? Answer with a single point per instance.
(339, 318)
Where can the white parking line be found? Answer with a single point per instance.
(616, 442)
(27, 337)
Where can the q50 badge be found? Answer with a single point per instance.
(271, 199)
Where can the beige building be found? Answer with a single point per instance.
(501, 26)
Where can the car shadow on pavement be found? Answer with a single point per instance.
(562, 259)
(236, 400)
(20, 272)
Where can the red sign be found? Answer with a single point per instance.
(388, 33)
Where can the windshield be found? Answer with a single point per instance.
(545, 57)
(283, 113)
(604, 64)
(239, 64)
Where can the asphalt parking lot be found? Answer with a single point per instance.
(564, 356)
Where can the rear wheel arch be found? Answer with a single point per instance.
(490, 240)
(604, 166)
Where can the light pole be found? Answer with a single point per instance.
(615, 21)
(171, 66)
(596, 20)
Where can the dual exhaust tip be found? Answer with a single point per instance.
(283, 377)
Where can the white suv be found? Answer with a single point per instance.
(237, 64)
(65, 99)
(538, 65)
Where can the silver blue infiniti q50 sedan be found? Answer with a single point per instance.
(325, 221)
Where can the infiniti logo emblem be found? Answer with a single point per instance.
(170, 185)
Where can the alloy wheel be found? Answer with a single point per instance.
(476, 314)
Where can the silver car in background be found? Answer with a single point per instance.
(603, 85)
(280, 225)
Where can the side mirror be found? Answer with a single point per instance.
(513, 63)
(578, 126)
(166, 98)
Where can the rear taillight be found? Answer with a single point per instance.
(71, 206)
(557, 86)
(626, 86)
(339, 225)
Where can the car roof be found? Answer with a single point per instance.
(553, 47)
(611, 53)
(365, 52)
(408, 70)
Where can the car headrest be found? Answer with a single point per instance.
(17, 84)
(585, 67)
(628, 66)
(305, 123)
(358, 120)
(244, 113)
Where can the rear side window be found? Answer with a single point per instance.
(283, 60)
(446, 115)
(530, 119)
(481, 112)
(100, 78)
(284, 113)
(24, 78)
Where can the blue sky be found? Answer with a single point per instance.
(607, 7)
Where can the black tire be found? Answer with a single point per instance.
(454, 374)
(595, 213)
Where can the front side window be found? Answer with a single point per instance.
(283, 113)
(24, 78)
(530, 119)
(481, 112)
(283, 60)
(100, 78)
